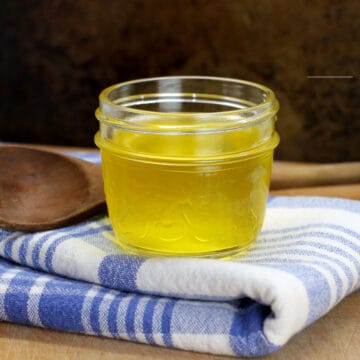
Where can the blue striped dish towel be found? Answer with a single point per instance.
(305, 261)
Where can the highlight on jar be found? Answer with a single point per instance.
(186, 163)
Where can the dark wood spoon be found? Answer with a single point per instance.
(41, 190)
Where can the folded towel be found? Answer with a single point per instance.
(305, 261)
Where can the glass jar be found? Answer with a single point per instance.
(186, 163)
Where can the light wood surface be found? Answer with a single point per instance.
(335, 337)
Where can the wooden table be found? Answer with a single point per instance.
(336, 336)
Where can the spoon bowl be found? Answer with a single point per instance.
(41, 190)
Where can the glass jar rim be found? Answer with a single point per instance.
(113, 113)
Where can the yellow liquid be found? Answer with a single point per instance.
(179, 207)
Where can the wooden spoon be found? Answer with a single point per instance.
(41, 190)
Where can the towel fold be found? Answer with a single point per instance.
(306, 260)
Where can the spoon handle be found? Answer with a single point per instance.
(287, 175)
(347, 191)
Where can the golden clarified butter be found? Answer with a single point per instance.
(186, 192)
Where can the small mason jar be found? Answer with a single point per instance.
(186, 163)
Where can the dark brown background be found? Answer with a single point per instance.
(56, 56)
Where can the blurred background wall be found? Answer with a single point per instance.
(57, 55)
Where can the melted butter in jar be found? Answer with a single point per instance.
(200, 191)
